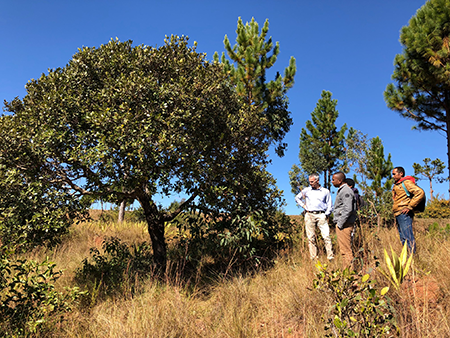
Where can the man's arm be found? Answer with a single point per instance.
(416, 192)
(300, 199)
(329, 204)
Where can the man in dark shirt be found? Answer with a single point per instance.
(344, 216)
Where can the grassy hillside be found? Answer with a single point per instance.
(276, 302)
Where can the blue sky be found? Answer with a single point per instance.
(346, 47)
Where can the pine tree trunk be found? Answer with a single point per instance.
(448, 148)
(121, 212)
(431, 190)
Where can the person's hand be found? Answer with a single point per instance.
(405, 211)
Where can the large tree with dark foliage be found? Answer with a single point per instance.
(421, 91)
(122, 122)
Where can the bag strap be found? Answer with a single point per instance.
(406, 190)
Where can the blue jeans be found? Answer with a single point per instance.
(405, 229)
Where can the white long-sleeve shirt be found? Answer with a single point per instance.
(315, 200)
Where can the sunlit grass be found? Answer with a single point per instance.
(279, 302)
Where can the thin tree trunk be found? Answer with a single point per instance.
(121, 212)
(379, 220)
(431, 190)
(447, 112)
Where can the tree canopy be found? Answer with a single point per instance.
(33, 210)
(422, 71)
(372, 174)
(378, 168)
(123, 122)
(321, 143)
(247, 70)
(431, 169)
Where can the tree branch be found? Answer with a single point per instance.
(172, 215)
(417, 118)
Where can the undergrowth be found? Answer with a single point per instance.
(122, 298)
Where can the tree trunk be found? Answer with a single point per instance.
(156, 231)
(431, 190)
(447, 113)
(326, 179)
(121, 212)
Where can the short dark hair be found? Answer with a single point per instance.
(340, 175)
(400, 170)
(350, 182)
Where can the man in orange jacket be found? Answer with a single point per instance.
(403, 207)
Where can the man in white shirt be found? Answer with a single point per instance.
(316, 201)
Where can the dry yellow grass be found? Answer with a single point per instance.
(278, 303)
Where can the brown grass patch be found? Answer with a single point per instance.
(279, 302)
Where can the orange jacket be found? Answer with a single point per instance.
(401, 200)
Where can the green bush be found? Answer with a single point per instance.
(137, 215)
(120, 263)
(358, 309)
(436, 208)
(377, 211)
(242, 240)
(29, 303)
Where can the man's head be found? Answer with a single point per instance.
(314, 181)
(398, 173)
(338, 179)
(350, 182)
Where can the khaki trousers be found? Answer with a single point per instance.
(319, 220)
(345, 243)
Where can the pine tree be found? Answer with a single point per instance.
(250, 61)
(321, 143)
(311, 164)
(430, 170)
(377, 170)
(422, 71)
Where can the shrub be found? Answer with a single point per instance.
(29, 303)
(108, 272)
(377, 211)
(358, 309)
(244, 240)
(436, 208)
(137, 215)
